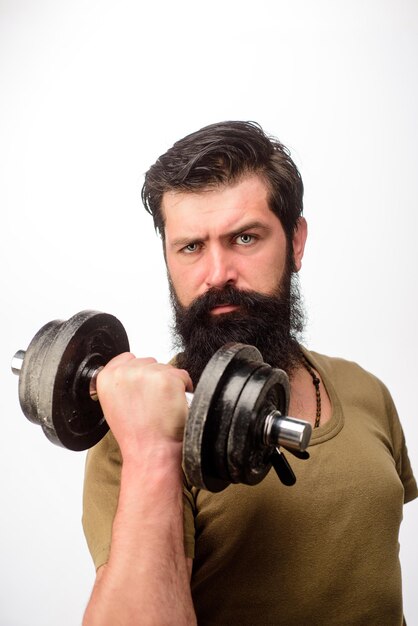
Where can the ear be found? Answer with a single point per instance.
(298, 241)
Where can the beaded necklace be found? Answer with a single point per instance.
(315, 381)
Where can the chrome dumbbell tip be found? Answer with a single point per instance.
(289, 432)
(17, 362)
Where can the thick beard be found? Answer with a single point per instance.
(272, 324)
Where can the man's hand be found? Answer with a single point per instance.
(143, 402)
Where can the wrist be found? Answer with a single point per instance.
(153, 460)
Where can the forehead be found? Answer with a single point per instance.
(219, 208)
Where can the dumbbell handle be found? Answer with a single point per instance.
(279, 430)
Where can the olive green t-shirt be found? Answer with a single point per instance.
(323, 552)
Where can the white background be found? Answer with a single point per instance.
(90, 94)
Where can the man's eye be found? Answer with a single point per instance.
(190, 248)
(245, 239)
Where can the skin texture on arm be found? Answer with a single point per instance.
(146, 580)
(100, 572)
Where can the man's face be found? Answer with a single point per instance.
(226, 236)
(231, 275)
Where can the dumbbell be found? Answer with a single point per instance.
(237, 414)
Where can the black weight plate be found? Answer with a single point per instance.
(215, 439)
(68, 415)
(199, 428)
(248, 457)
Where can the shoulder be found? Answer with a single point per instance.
(334, 364)
(357, 390)
(348, 375)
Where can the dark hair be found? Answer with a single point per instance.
(222, 154)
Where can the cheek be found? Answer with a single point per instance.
(265, 273)
(185, 283)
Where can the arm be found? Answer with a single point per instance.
(146, 580)
(100, 572)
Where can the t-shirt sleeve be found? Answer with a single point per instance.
(100, 496)
(407, 476)
(189, 509)
(403, 464)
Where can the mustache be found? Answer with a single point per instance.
(249, 302)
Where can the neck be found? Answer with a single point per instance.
(304, 398)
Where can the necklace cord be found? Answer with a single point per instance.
(315, 382)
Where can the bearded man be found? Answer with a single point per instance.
(227, 202)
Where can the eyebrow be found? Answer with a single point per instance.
(184, 241)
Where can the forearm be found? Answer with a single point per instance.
(146, 580)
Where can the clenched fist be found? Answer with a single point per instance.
(143, 401)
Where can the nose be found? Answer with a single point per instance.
(221, 268)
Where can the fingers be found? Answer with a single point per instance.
(186, 379)
(143, 399)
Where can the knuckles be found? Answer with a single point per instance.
(144, 397)
(141, 374)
